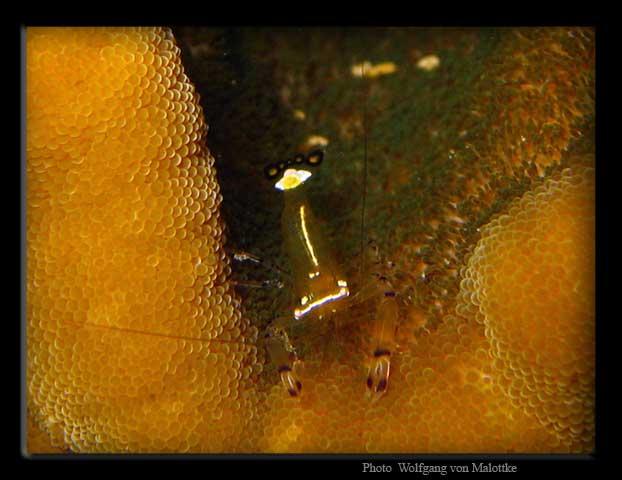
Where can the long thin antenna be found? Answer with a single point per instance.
(363, 239)
(215, 341)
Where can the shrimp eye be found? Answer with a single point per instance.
(389, 294)
(315, 157)
(271, 171)
(300, 158)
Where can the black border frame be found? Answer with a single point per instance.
(527, 464)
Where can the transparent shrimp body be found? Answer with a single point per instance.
(319, 286)
(318, 283)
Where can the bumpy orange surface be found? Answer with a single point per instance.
(127, 283)
(531, 279)
(443, 397)
(135, 341)
(38, 440)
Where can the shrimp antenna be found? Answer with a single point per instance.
(128, 330)
(362, 254)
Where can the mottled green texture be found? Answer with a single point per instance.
(251, 125)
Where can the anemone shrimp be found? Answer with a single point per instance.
(321, 292)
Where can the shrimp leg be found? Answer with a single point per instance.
(284, 356)
(383, 336)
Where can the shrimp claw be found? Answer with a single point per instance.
(292, 384)
(284, 357)
(379, 371)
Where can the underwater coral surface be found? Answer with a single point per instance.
(465, 155)
(126, 268)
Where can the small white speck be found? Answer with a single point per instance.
(317, 140)
(429, 63)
